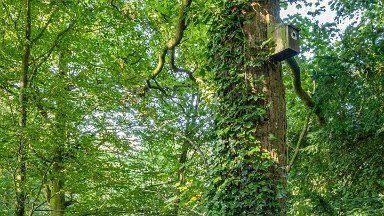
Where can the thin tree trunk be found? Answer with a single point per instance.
(20, 175)
(181, 176)
(57, 200)
(189, 133)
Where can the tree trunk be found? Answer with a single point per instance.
(20, 175)
(189, 132)
(57, 199)
(271, 131)
(180, 176)
(248, 176)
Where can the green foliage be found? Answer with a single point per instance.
(119, 151)
(85, 69)
(338, 170)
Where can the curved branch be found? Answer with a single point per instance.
(301, 137)
(158, 87)
(292, 63)
(176, 69)
(175, 40)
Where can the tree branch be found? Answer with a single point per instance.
(158, 87)
(301, 137)
(47, 53)
(15, 20)
(173, 42)
(176, 69)
(56, 42)
(295, 73)
(41, 33)
(41, 188)
(195, 146)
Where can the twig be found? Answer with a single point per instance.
(197, 148)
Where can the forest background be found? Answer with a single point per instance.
(94, 122)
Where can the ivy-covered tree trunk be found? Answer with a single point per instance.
(247, 177)
(20, 174)
(271, 131)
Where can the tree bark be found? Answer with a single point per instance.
(20, 174)
(271, 131)
(57, 199)
(251, 155)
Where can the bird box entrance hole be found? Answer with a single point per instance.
(286, 39)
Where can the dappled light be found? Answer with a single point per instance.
(191, 107)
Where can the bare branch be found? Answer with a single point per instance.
(158, 87)
(176, 69)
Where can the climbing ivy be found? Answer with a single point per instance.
(241, 175)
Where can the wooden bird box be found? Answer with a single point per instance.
(286, 39)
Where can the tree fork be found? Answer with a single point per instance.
(172, 42)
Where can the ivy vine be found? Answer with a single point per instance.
(241, 176)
